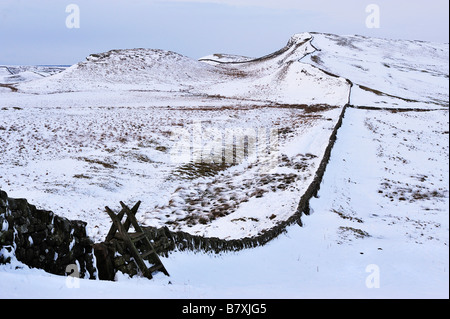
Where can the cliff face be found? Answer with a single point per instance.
(41, 239)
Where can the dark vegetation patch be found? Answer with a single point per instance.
(193, 170)
(346, 216)
(99, 162)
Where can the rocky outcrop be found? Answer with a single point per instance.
(41, 239)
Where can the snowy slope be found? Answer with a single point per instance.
(218, 58)
(278, 77)
(98, 156)
(106, 133)
(21, 77)
(386, 72)
(79, 143)
(351, 227)
(281, 77)
(126, 69)
(4, 71)
(16, 73)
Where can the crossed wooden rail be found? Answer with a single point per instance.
(147, 251)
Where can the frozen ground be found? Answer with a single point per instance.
(79, 160)
(383, 203)
(353, 226)
(386, 73)
(20, 73)
(215, 150)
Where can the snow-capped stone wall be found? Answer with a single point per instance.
(41, 239)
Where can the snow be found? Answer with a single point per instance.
(402, 73)
(5, 225)
(65, 137)
(382, 205)
(279, 77)
(62, 158)
(17, 73)
(224, 58)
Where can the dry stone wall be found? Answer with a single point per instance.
(41, 239)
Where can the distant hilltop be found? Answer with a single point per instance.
(313, 68)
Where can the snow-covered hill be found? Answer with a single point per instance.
(144, 124)
(278, 77)
(291, 109)
(17, 73)
(386, 73)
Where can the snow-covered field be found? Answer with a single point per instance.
(387, 73)
(89, 137)
(194, 142)
(79, 160)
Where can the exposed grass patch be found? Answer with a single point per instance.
(346, 232)
(405, 192)
(82, 176)
(316, 59)
(139, 157)
(96, 161)
(161, 148)
(344, 216)
(9, 86)
(193, 170)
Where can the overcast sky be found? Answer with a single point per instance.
(35, 32)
